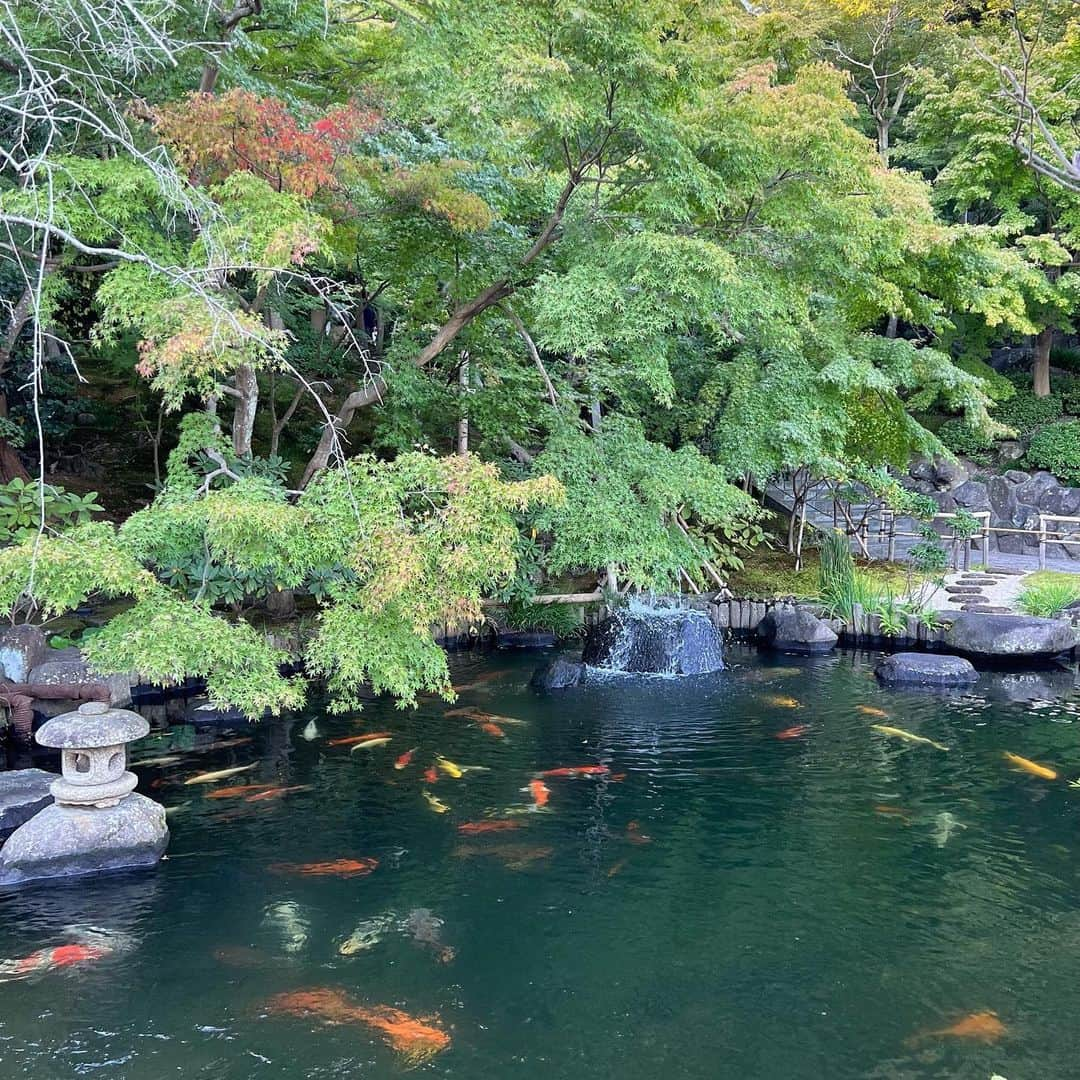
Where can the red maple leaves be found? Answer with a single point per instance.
(214, 135)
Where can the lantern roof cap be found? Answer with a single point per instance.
(93, 724)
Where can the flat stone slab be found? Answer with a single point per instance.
(1010, 637)
(926, 669)
(23, 792)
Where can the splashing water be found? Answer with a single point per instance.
(655, 637)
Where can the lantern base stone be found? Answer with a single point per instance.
(66, 841)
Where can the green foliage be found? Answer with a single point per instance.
(1025, 412)
(563, 620)
(1056, 448)
(960, 438)
(1047, 594)
(22, 501)
(622, 497)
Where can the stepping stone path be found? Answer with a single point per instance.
(991, 592)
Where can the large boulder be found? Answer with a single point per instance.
(67, 667)
(794, 629)
(1010, 637)
(22, 648)
(926, 669)
(558, 674)
(23, 792)
(972, 495)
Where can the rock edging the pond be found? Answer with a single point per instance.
(1011, 637)
(796, 629)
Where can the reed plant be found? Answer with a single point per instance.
(1049, 594)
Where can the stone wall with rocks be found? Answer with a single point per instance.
(1015, 500)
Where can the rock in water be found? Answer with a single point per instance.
(795, 629)
(926, 669)
(1010, 637)
(558, 674)
(656, 640)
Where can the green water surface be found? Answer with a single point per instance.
(725, 904)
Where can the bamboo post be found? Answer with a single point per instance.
(1042, 541)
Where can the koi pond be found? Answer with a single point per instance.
(732, 875)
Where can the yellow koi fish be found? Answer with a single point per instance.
(870, 710)
(1033, 767)
(782, 702)
(450, 768)
(900, 733)
(221, 774)
(369, 743)
(436, 804)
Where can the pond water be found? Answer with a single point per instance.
(721, 903)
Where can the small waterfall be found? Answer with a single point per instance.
(655, 638)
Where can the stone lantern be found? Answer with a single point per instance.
(97, 821)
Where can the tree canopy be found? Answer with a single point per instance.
(428, 303)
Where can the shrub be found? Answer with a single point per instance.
(1025, 411)
(1056, 448)
(1048, 594)
(960, 438)
(1065, 357)
(1069, 388)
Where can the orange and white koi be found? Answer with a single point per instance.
(356, 740)
(277, 792)
(47, 959)
(239, 789)
(435, 803)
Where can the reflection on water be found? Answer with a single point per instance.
(714, 900)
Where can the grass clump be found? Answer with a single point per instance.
(1048, 593)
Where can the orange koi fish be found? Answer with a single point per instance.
(870, 710)
(616, 868)
(493, 730)
(793, 732)
(47, 959)
(277, 792)
(634, 835)
(404, 760)
(417, 1039)
(239, 789)
(335, 868)
(617, 777)
(782, 702)
(475, 828)
(984, 1027)
(431, 775)
(356, 740)
(575, 771)
(540, 793)
(1033, 767)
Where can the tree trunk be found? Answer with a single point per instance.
(1040, 370)
(247, 386)
(11, 466)
(463, 422)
